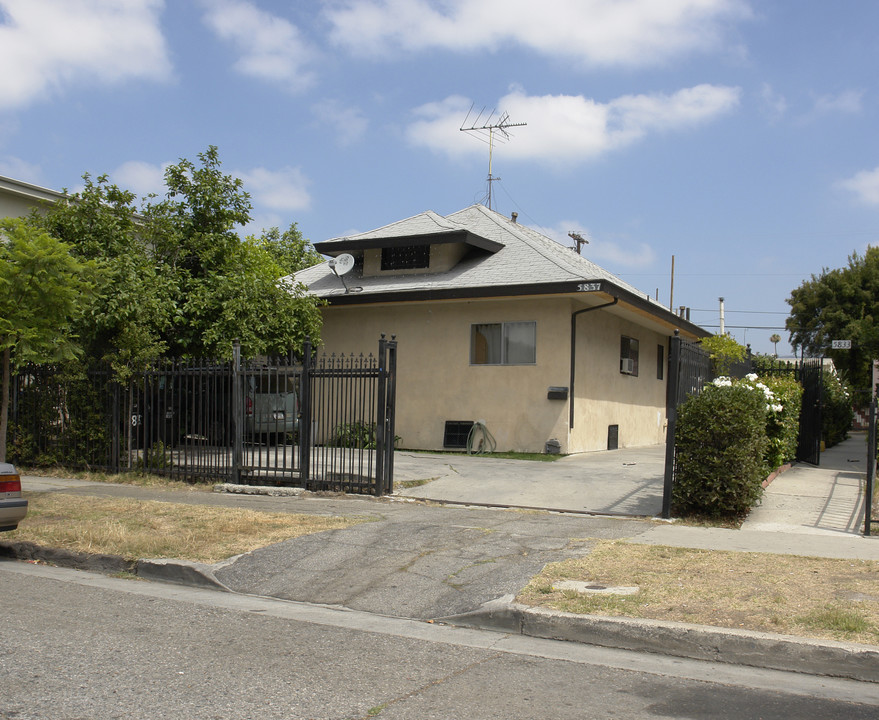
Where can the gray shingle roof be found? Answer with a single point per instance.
(526, 258)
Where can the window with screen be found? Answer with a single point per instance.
(511, 343)
(406, 258)
(628, 356)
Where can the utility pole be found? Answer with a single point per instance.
(579, 239)
(721, 316)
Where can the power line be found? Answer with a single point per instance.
(746, 312)
(745, 327)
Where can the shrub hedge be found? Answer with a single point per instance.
(837, 413)
(721, 446)
(783, 427)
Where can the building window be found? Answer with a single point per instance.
(513, 343)
(660, 362)
(628, 356)
(406, 258)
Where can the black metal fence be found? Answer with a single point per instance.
(322, 424)
(689, 369)
(870, 487)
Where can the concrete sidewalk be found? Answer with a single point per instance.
(808, 511)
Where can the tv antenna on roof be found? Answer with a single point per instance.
(480, 127)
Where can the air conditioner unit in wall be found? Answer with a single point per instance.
(627, 366)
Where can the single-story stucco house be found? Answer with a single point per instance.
(499, 324)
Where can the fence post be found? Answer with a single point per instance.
(671, 412)
(390, 415)
(381, 418)
(305, 413)
(237, 416)
(116, 431)
(871, 469)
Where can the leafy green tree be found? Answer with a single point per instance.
(290, 250)
(227, 288)
(245, 300)
(725, 352)
(840, 304)
(41, 288)
(135, 299)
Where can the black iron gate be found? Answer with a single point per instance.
(809, 372)
(348, 413)
(811, 377)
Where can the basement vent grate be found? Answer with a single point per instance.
(456, 433)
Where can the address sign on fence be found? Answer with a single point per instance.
(841, 344)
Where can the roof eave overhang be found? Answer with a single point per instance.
(636, 301)
(333, 247)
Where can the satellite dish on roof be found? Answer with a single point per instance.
(342, 264)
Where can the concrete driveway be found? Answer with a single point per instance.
(616, 482)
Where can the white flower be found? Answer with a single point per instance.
(752, 377)
(777, 408)
(722, 382)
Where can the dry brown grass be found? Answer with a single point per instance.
(124, 478)
(811, 597)
(148, 529)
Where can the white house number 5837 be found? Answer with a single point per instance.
(589, 287)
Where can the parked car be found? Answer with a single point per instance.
(271, 405)
(13, 507)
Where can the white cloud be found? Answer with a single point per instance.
(19, 169)
(864, 185)
(270, 190)
(141, 178)
(603, 251)
(271, 48)
(348, 123)
(848, 102)
(568, 129)
(49, 45)
(594, 32)
(280, 190)
(775, 103)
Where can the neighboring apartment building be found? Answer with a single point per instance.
(18, 198)
(501, 324)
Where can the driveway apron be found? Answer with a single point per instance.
(420, 561)
(627, 481)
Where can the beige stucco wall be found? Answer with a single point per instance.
(436, 381)
(604, 396)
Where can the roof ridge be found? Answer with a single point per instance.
(440, 220)
(522, 232)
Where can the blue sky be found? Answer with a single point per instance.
(740, 137)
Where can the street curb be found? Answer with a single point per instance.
(94, 562)
(695, 642)
(180, 572)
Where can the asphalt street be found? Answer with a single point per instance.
(80, 645)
